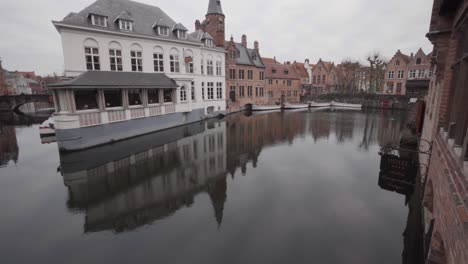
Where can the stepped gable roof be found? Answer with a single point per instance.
(328, 66)
(283, 71)
(144, 17)
(113, 80)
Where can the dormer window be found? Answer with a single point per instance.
(232, 54)
(286, 72)
(125, 25)
(209, 43)
(254, 56)
(418, 61)
(181, 34)
(163, 31)
(273, 71)
(100, 21)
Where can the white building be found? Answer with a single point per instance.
(125, 40)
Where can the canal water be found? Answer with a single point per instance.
(293, 187)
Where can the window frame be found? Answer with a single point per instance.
(136, 60)
(95, 58)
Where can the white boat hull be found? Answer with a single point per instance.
(295, 106)
(356, 106)
(266, 107)
(320, 105)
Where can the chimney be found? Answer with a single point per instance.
(274, 59)
(244, 41)
(257, 46)
(197, 25)
(412, 54)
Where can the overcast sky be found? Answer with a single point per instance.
(290, 30)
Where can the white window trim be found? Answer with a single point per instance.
(125, 25)
(94, 21)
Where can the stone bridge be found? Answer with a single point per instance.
(13, 102)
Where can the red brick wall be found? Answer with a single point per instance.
(280, 86)
(446, 195)
(216, 28)
(241, 101)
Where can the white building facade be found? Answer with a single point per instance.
(128, 40)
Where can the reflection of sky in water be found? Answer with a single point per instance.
(312, 198)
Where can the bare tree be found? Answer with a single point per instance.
(347, 74)
(376, 71)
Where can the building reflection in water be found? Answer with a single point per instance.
(9, 150)
(129, 184)
(132, 183)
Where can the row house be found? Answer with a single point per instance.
(403, 68)
(283, 82)
(446, 127)
(301, 70)
(245, 70)
(134, 70)
(324, 78)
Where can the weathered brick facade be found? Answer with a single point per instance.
(446, 191)
(402, 68)
(3, 86)
(245, 82)
(283, 82)
(323, 77)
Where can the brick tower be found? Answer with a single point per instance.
(215, 22)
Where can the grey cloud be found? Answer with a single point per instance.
(289, 30)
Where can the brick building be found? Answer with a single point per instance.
(245, 71)
(3, 85)
(446, 123)
(301, 70)
(283, 82)
(323, 77)
(403, 68)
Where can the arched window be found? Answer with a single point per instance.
(136, 55)
(115, 56)
(183, 94)
(418, 61)
(174, 60)
(188, 57)
(91, 49)
(158, 58)
(397, 63)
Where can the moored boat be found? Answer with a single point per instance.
(295, 106)
(265, 107)
(47, 128)
(343, 105)
(314, 104)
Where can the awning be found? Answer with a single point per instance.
(117, 80)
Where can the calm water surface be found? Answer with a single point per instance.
(298, 187)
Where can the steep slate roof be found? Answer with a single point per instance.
(214, 7)
(300, 67)
(112, 80)
(246, 54)
(200, 35)
(144, 17)
(124, 16)
(280, 70)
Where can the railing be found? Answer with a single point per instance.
(116, 115)
(90, 119)
(170, 109)
(137, 113)
(155, 110)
